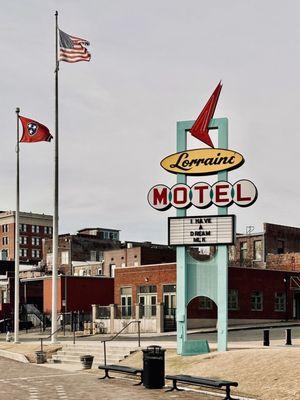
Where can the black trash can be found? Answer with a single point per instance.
(154, 367)
(87, 361)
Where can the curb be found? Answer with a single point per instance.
(14, 356)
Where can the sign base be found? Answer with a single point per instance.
(194, 347)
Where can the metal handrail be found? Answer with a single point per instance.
(117, 334)
(48, 337)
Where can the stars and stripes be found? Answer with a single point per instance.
(72, 48)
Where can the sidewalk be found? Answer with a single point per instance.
(79, 335)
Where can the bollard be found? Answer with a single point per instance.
(288, 337)
(266, 337)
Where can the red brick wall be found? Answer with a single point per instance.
(245, 280)
(290, 236)
(158, 275)
(286, 262)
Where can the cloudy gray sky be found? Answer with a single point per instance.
(153, 63)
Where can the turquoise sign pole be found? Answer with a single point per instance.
(196, 278)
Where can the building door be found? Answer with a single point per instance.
(126, 306)
(147, 304)
(169, 299)
(297, 305)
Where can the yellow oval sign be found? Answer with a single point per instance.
(202, 161)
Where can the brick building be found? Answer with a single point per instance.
(87, 245)
(130, 254)
(74, 293)
(136, 254)
(33, 229)
(284, 262)
(254, 249)
(267, 294)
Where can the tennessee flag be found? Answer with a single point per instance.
(34, 131)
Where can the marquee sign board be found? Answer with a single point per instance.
(204, 230)
(202, 195)
(202, 161)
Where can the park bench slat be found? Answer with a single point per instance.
(194, 380)
(202, 381)
(122, 369)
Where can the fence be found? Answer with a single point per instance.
(114, 318)
(103, 312)
(124, 312)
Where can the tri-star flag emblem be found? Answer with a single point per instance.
(34, 131)
(32, 128)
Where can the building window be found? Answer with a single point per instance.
(4, 254)
(5, 228)
(280, 301)
(147, 289)
(35, 241)
(23, 228)
(256, 301)
(123, 265)
(35, 253)
(136, 264)
(257, 250)
(280, 246)
(112, 268)
(93, 255)
(65, 257)
(35, 229)
(5, 241)
(205, 303)
(23, 239)
(243, 251)
(23, 252)
(47, 230)
(99, 272)
(233, 299)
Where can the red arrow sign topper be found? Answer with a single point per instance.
(200, 127)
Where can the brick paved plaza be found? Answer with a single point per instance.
(31, 382)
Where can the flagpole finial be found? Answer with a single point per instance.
(17, 110)
(56, 12)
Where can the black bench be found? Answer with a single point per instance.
(122, 369)
(193, 380)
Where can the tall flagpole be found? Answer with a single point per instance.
(17, 240)
(55, 214)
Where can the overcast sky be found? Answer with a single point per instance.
(153, 63)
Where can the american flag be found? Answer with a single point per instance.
(72, 48)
